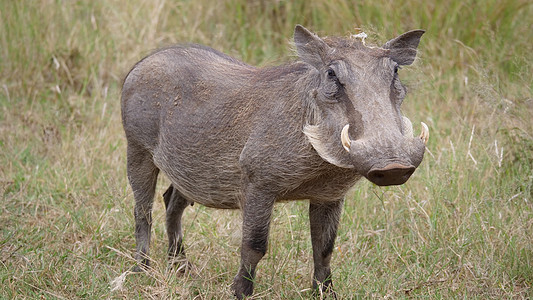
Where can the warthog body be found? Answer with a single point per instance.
(230, 135)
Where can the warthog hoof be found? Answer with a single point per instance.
(324, 291)
(139, 269)
(181, 266)
(242, 287)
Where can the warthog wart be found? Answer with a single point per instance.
(230, 135)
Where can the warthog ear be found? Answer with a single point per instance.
(403, 48)
(311, 48)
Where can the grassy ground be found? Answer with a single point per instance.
(462, 227)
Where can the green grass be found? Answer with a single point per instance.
(462, 227)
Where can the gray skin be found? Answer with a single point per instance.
(230, 135)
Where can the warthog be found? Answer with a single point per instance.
(230, 135)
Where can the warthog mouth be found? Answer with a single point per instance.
(392, 174)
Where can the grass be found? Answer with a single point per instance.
(460, 228)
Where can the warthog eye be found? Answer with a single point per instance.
(331, 74)
(331, 86)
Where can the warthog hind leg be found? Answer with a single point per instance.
(175, 204)
(142, 175)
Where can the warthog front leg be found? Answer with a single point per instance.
(256, 215)
(324, 221)
(175, 205)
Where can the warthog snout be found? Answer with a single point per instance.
(389, 161)
(392, 174)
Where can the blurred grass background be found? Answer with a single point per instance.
(462, 227)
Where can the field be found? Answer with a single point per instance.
(461, 227)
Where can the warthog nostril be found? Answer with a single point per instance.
(392, 174)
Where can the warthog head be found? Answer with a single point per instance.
(353, 117)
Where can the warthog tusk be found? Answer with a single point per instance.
(345, 138)
(407, 127)
(424, 135)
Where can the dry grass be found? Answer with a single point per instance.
(460, 228)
